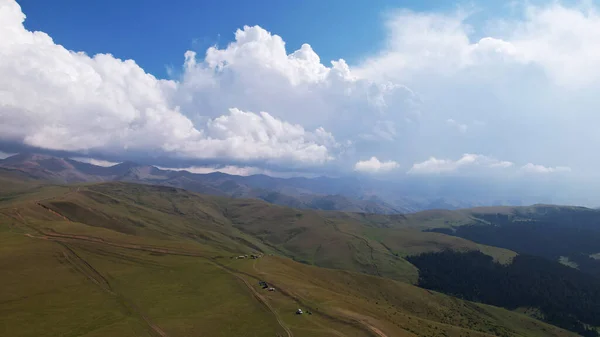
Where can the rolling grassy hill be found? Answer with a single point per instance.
(123, 259)
(349, 241)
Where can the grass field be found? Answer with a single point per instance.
(132, 260)
(165, 215)
(83, 289)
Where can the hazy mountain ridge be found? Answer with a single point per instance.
(347, 194)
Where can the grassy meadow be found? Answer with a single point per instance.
(117, 259)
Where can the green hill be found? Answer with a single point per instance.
(122, 259)
(566, 234)
(326, 239)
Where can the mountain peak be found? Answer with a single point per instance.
(123, 168)
(36, 161)
(26, 156)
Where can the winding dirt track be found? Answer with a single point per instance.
(333, 331)
(370, 328)
(81, 265)
(63, 238)
(265, 302)
(375, 330)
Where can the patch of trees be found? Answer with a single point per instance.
(549, 233)
(566, 297)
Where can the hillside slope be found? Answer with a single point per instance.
(567, 234)
(559, 294)
(347, 241)
(135, 260)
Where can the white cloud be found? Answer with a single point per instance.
(57, 99)
(373, 165)
(4, 155)
(532, 82)
(97, 162)
(239, 171)
(248, 136)
(255, 72)
(533, 168)
(437, 166)
(229, 169)
(460, 127)
(501, 164)
(561, 40)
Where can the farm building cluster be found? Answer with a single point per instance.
(264, 285)
(251, 256)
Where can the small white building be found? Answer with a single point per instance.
(299, 312)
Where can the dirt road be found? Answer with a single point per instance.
(266, 303)
(67, 237)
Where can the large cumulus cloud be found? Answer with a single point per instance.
(53, 98)
(257, 73)
(467, 161)
(374, 165)
(524, 91)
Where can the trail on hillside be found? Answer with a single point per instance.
(97, 278)
(375, 330)
(363, 321)
(91, 273)
(365, 241)
(152, 249)
(333, 331)
(84, 267)
(53, 212)
(67, 237)
(256, 269)
(152, 325)
(263, 300)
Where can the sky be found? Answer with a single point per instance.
(495, 90)
(161, 31)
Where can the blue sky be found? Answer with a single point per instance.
(496, 91)
(155, 33)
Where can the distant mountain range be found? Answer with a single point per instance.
(323, 193)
